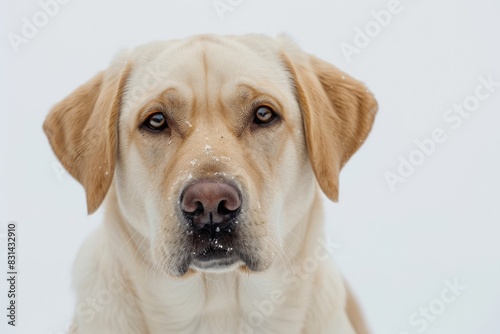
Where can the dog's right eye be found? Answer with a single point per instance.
(264, 115)
(156, 122)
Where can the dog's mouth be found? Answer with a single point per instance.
(215, 259)
(213, 252)
(219, 254)
(214, 246)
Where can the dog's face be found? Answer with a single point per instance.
(210, 153)
(210, 143)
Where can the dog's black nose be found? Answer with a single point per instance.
(213, 203)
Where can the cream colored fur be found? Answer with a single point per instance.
(128, 274)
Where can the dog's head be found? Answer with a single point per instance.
(212, 144)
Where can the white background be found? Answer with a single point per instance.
(397, 247)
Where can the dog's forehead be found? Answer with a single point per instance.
(206, 65)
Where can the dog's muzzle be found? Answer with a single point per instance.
(211, 209)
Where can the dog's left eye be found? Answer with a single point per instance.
(156, 122)
(264, 115)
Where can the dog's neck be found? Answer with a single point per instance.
(171, 305)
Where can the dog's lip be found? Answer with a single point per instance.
(215, 263)
(218, 261)
(215, 256)
(214, 251)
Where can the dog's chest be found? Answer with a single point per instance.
(221, 309)
(200, 305)
(220, 304)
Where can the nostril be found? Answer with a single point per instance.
(199, 209)
(191, 205)
(232, 202)
(194, 208)
(224, 209)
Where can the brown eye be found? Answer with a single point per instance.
(156, 122)
(264, 115)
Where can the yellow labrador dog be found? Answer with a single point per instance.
(208, 153)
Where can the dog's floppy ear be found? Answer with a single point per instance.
(82, 130)
(338, 112)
